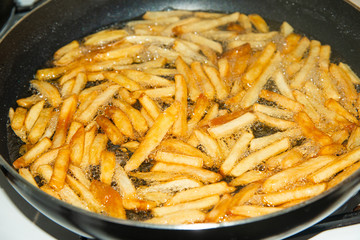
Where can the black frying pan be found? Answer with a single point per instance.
(31, 43)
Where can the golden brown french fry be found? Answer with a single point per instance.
(150, 106)
(67, 111)
(258, 22)
(343, 175)
(121, 121)
(253, 211)
(111, 131)
(124, 184)
(123, 81)
(184, 69)
(44, 159)
(49, 92)
(18, 118)
(28, 101)
(50, 73)
(169, 157)
(153, 137)
(180, 125)
(281, 100)
(89, 138)
(198, 112)
(61, 166)
(210, 144)
(105, 37)
(25, 173)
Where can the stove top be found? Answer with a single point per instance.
(342, 224)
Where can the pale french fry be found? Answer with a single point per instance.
(69, 196)
(219, 85)
(178, 146)
(324, 57)
(284, 160)
(150, 106)
(204, 203)
(181, 217)
(170, 186)
(332, 168)
(200, 192)
(184, 69)
(67, 88)
(107, 167)
(253, 93)
(284, 178)
(67, 111)
(309, 108)
(84, 193)
(200, 77)
(281, 100)
(153, 137)
(97, 147)
(249, 177)
(25, 173)
(65, 49)
(76, 146)
(210, 144)
(61, 166)
(124, 52)
(178, 158)
(293, 194)
(232, 126)
(155, 92)
(33, 114)
(344, 83)
(286, 29)
(343, 175)
(105, 37)
(74, 126)
(254, 72)
(203, 175)
(273, 112)
(134, 115)
(253, 211)
(282, 85)
(123, 81)
(79, 175)
(146, 79)
(255, 158)
(40, 125)
(121, 121)
(180, 125)
(50, 73)
(204, 25)
(236, 152)
(89, 138)
(31, 155)
(100, 100)
(124, 184)
(28, 101)
(275, 122)
(46, 158)
(336, 107)
(298, 51)
(195, 38)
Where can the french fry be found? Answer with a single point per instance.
(74, 126)
(236, 152)
(76, 146)
(135, 117)
(204, 25)
(40, 125)
(28, 101)
(79, 175)
(50, 73)
(293, 194)
(349, 72)
(172, 185)
(184, 69)
(67, 111)
(200, 192)
(46, 158)
(343, 175)
(204, 203)
(336, 107)
(195, 38)
(232, 126)
(150, 106)
(178, 158)
(219, 85)
(244, 21)
(200, 76)
(153, 137)
(124, 52)
(33, 114)
(331, 169)
(109, 198)
(124, 184)
(30, 156)
(25, 173)
(181, 217)
(255, 158)
(69, 196)
(249, 177)
(284, 178)
(274, 122)
(65, 49)
(18, 118)
(259, 23)
(199, 110)
(253, 211)
(105, 37)
(107, 167)
(146, 79)
(253, 93)
(281, 100)
(121, 121)
(111, 131)
(61, 166)
(123, 81)
(89, 138)
(298, 51)
(98, 145)
(282, 85)
(203, 175)
(102, 99)
(180, 125)
(286, 29)
(273, 112)
(210, 144)
(284, 160)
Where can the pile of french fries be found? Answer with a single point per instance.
(190, 117)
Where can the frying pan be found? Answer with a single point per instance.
(30, 44)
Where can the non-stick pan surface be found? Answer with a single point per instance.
(31, 43)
